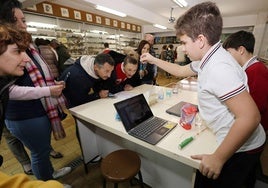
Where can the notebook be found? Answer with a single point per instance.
(176, 109)
(139, 120)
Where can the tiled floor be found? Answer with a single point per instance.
(68, 147)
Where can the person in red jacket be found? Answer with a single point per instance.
(241, 46)
(125, 71)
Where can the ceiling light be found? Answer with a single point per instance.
(43, 25)
(98, 32)
(78, 33)
(111, 11)
(181, 3)
(160, 26)
(31, 29)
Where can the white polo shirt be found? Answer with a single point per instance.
(219, 78)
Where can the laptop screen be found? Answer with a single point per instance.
(133, 111)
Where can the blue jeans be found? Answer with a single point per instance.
(35, 134)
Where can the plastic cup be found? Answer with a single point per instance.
(175, 89)
(168, 93)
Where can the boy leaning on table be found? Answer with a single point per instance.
(224, 101)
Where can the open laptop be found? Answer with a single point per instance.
(140, 122)
(176, 109)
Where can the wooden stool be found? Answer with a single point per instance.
(120, 166)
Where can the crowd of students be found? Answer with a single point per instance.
(32, 101)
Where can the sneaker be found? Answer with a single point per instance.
(67, 186)
(27, 169)
(61, 172)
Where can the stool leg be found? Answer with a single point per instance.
(140, 179)
(131, 182)
(115, 185)
(104, 183)
(85, 167)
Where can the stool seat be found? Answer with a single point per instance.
(121, 165)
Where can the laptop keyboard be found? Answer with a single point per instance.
(144, 130)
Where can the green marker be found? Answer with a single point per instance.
(185, 142)
(190, 139)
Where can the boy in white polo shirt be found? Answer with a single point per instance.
(224, 101)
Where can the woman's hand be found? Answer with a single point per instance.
(56, 90)
(61, 82)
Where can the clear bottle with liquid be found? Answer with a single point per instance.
(198, 121)
(161, 94)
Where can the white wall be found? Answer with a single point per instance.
(233, 24)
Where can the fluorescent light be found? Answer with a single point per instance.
(181, 3)
(98, 31)
(44, 36)
(111, 11)
(43, 25)
(78, 33)
(160, 26)
(31, 29)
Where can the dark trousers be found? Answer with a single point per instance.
(16, 147)
(239, 171)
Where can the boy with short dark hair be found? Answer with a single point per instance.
(224, 102)
(241, 47)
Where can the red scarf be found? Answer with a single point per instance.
(51, 105)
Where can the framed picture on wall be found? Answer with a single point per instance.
(64, 12)
(77, 15)
(115, 23)
(98, 19)
(128, 26)
(138, 28)
(133, 27)
(89, 17)
(33, 7)
(107, 21)
(123, 25)
(47, 8)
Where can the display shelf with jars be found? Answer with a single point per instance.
(84, 39)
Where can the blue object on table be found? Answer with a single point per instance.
(117, 117)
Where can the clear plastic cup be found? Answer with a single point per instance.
(175, 89)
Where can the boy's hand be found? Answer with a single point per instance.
(147, 58)
(210, 165)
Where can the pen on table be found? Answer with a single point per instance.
(188, 140)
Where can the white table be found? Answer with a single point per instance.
(164, 164)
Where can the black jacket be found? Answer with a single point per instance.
(81, 87)
(5, 83)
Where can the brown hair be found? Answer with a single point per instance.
(141, 45)
(204, 18)
(130, 60)
(9, 35)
